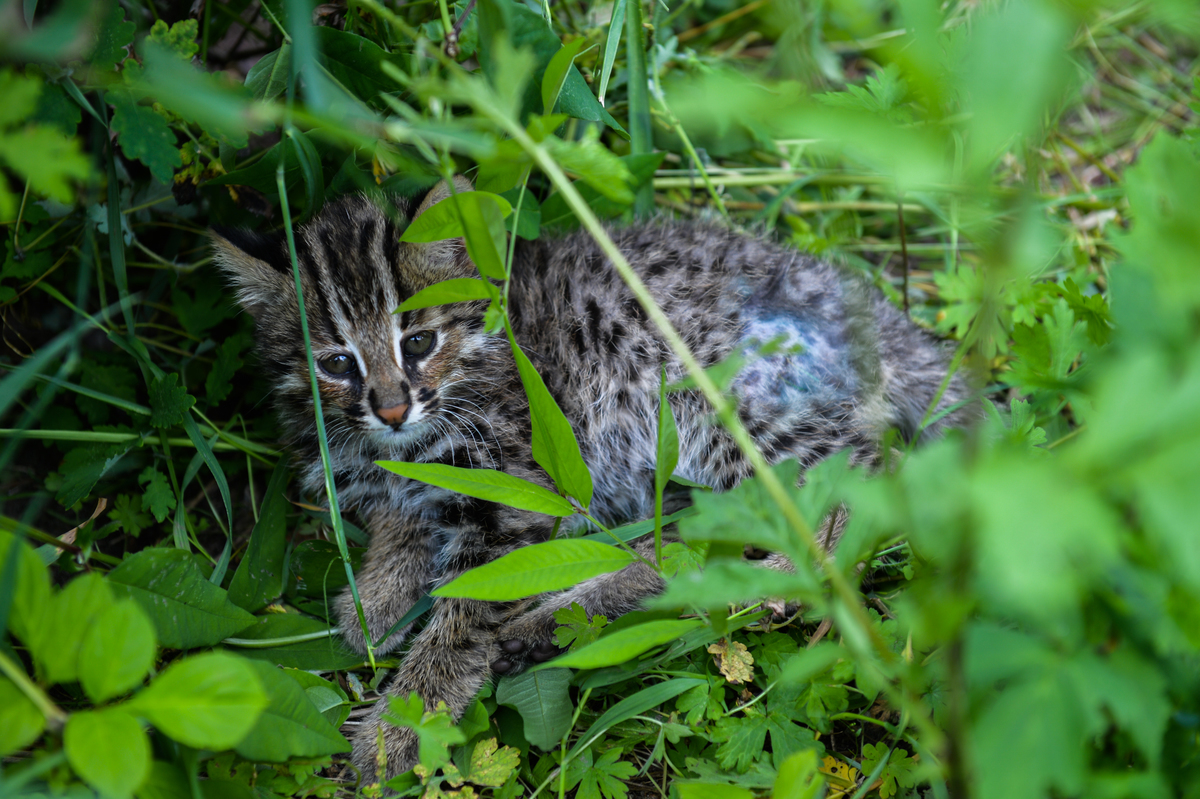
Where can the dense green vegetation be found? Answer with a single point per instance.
(1022, 176)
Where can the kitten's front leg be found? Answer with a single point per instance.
(448, 662)
(395, 574)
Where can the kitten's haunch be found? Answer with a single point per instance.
(431, 385)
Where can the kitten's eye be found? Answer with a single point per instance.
(338, 365)
(418, 343)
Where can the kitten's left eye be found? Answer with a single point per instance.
(418, 344)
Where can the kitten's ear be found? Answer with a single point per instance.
(257, 265)
(442, 190)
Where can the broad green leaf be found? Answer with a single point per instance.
(555, 447)
(463, 289)
(259, 577)
(666, 453)
(21, 723)
(31, 593)
(623, 645)
(267, 79)
(542, 699)
(328, 697)
(315, 569)
(169, 401)
(187, 610)
(556, 73)
(221, 108)
(108, 749)
(556, 212)
(537, 568)
(354, 61)
(486, 484)
(724, 581)
(290, 724)
(475, 216)
(144, 134)
(83, 467)
(118, 650)
(208, 701)
(441, 221)
(72, 613)
(21, 93)
(632, 705)
(316, 652)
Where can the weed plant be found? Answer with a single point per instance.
(1022, 177)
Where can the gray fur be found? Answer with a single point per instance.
(862, 367)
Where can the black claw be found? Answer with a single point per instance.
(502, 666)
(513, 646)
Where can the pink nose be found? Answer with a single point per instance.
(393, 415)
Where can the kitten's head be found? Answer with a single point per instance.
(385, 375)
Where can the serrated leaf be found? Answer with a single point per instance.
(21, 723)
(20, 94)
(435, 730)
(492, 766)
(187, 610)
(158, 498)
(117, 651)
(146, 136)
(734, 661)
(208, 701)
(51, 162)
(542, 699)
(464, 289)
(486, 484)
(84, 466)
(623, 645)
(290, 725)
(259, 576)
(108, 749)
(169, 401)
(113, 35)
(127, 513)
(180, 38)
(537, 568)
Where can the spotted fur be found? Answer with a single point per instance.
(851, 366)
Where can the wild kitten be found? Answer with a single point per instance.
(431, 386)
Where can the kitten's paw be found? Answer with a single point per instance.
(526, 640)
(399, 747)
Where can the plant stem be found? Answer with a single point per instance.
(55, 716)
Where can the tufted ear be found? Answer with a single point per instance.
(257, 266)
(442, 190)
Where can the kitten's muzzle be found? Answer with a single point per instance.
(394, 415)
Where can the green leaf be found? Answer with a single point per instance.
(600, 777)
(799, 777)
(127, 513)
(108, 749)
(84, 466)
(51, 162)
(354, 61)
(537, 568)
(169, 401)
(21, 723)
(72, 613)
(595, 165)
(555, 447)
(159, 498)
(290, 725)
(623, 645)
(221, 109)
(555, 210)
(180, 38)
(542, 699)
(575, 629)
(268, 78)
(187, 610)
(146, 136)
(320, 653)
(898, 773)
(556, 73)
(118, 650)
(316, 566)
(486, 484)
(720, 790)
(666, 451)
(208, 701)
(328, 697)
(115, 381)
(113, 35)
(475, 216)
(259, 577)
(435, 730)
(631, 706)
(464, 289)
(21, 95)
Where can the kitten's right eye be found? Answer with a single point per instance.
(338, 365)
